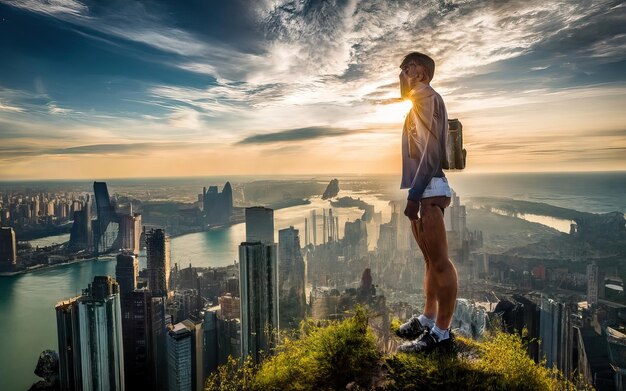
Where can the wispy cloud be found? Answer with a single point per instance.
(8, 107)
(12, 152)
(301, 134)
(51, 7)
(240, 73)
(54, 109)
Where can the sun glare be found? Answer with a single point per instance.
(391, 113)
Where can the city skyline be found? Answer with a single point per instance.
(125, 89)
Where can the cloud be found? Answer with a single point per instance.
(185, 118)
(8, 107)
(301, 134)
(51, 7)
(18, 152)
(229, 71)
(54, 109)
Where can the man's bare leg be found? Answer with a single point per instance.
(441, 269)
(430, 284)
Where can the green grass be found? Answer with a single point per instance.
(333, 355)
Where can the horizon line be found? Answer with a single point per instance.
(472, 172)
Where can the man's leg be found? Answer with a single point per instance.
(443, 272)
(430, 284)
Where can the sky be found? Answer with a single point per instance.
(126, 88)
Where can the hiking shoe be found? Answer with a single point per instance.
(428, 343)
(412, 329)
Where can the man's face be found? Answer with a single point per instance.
(411, 70)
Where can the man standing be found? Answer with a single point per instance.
(424, 139)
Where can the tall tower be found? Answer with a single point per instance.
(68, 334)
(179, 358)
(197, 350)
(227, 201)
(259, 297)
(81, 236)
(139, 344)
(314, 227)
(291, 284)
(8, 248)
(106, 228)
(158, 254)
(259, 224)
(126, 272)
(130, 232)
(592, 284)
(90, 338)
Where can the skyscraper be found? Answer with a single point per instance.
(259, 298)
(158, 254)
(259, 224)
(90, 338)
(592, 284)
(197, 353)
(139, 347)
(130, 232)
(179, 361)
(217, 207)
(211, 351)
(126, 272)
(8, 248)
(291, 278)
(81, 236)
(68, 334)
(106, 227)
(158, 336)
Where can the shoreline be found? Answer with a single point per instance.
(34, 268)
(51, 266)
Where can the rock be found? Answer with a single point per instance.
(331, 190)
(48, 369)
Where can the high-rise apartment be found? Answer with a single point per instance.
(259, 298)
(8, 248)
(158, 254)
(90, 338)
(592, 284)
(126, 272)
(259, 224)
(130, 232)
(291, 278)
(179, 358)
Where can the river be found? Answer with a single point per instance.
(27, 301)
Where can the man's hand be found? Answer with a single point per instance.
(412, 209)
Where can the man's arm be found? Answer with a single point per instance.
(429, 164)
(427, 168)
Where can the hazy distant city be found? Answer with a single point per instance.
(274, 252)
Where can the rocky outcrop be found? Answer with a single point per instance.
(48, 369)
(331, 190)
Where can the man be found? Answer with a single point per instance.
(424, 138)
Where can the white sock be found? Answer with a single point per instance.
(426, 321)
(441, 334)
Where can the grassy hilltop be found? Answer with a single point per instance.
(343, 356)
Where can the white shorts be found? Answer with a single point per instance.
(437, 187)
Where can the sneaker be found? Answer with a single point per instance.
(428, 343)
(412, 329)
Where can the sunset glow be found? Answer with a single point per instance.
(161, 91)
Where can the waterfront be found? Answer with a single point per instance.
(28, 300)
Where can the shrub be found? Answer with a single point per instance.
(324, 358)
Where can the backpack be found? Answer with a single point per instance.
(456, 155)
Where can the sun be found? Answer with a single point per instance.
(391, 113)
